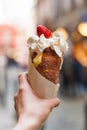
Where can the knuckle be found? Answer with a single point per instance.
(15, 97)
(21, 89)
(19, 77)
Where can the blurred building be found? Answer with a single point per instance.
(54, 13)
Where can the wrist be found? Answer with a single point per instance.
(27, 124)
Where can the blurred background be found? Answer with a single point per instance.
(18, 20)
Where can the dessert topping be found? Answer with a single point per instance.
(43, 30)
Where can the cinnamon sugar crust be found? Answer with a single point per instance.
(50, 65)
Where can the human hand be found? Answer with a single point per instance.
(31, 110)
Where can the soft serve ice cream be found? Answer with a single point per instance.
(46, 50)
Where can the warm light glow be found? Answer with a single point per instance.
(82, 28)
(80, 53)
(63, 31)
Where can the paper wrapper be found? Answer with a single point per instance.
(42, 86)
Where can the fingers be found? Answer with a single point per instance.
(26, 88)
(22, 89)
(23, 82)
(54, 102)
(22, 77)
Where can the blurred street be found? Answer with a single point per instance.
(68, 116)
(7, 120)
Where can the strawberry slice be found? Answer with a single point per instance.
(43, 30)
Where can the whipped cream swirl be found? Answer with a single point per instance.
(56, 42)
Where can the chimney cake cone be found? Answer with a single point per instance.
(50, 65)
(46, 52)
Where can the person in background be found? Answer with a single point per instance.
(12, 70)
(31, 110)
(3, 62)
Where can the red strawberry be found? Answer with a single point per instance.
(43, 30)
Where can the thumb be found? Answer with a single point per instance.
(54, 102)
(23, 82)
(22, 78)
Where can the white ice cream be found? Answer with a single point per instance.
(56, 42)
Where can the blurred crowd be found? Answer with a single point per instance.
(9, 71)
(73, 78)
